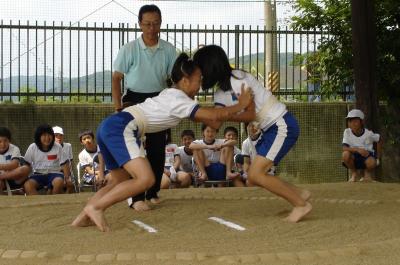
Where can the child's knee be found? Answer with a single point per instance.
(370, 163)
(346, 156)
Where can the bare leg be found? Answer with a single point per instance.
(275, 185)
(201, 163)
(227, 159)
(121, 175)
(139, 167)
(348, 160)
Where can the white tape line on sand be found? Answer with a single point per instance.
(144, 226)
(227, 223)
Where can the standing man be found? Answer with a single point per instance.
(145, 65)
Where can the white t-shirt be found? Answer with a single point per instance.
(186, 160)
(249, 148)
(12, 152)
(167, 109)
(67, 148)
(86, 158)
(365, 141)
(45, 162)
(211, 155)
(170, 152)
(261, 96)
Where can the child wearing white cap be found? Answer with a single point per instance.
(358, 147)
(67, 149)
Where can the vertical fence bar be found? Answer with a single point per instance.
(293, 43)
(250, 52)
(10, 60)
(237, 48)
(87, 61)
(36, 61)
(111, 53)
(190, 39)
(265, 57)
(286, 62)
(2, 61)
(62, 62)
(95, 63)
(45, 62)
(70, 61)
(279, 57)
(27, 61)
(103, 54)
(300, 64)
(53, 59)
(19, 60)
(257, 58)
(79, 61)
(242, 47)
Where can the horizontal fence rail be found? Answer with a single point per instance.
(74, 62)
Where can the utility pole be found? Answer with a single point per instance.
(270, 53)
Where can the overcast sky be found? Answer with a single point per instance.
(174, 12)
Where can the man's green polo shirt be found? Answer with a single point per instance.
(146, 69)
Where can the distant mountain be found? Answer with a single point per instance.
(289, 77)
(74, 83)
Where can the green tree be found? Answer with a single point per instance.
(335, 58)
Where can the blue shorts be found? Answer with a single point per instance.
(119, 141)
(14, 185)
(359, 160)
(45, 180)
(278, 139)
(216, 171)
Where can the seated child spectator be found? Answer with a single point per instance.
(67, 148)
(213, 157)
(358, 150)
(184, 156)
(13, 168)
(171, 176)
(91, 168)
(231, 133)
(46, 158)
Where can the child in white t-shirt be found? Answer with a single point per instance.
(12, 167)
(213, 157)
(172, 177)
(67, 148)
(47, 159)
(358, 147)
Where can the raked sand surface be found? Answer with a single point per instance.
(351, 223)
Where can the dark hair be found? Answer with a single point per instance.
(5, 132)
(85, 132)
(183, 66)
(187, 133)
(231, 129)
(214, 66)
(148, 9)
(40, 130)
(204, 126)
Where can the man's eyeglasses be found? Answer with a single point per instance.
(151, 24)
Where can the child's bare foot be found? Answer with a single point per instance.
(298, 213)
(366, 179)
(352, 179)
(232, 175)
(140, 206)
(155, 200)
(97, 217)
(305, 194)
(82, 220)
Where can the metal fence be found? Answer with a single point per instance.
(73, 63)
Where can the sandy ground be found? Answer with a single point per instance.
(350, 224)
